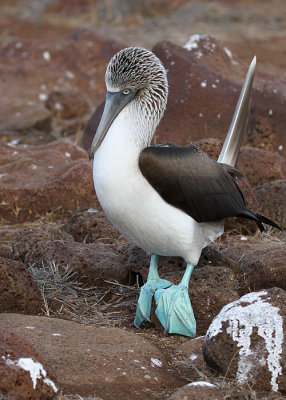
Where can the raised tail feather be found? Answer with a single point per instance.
(232, 143)
(259, 219)
(233, 140)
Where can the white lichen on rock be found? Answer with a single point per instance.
(253, 312)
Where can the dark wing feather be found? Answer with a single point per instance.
(190, 180)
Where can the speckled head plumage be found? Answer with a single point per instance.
(139, 69)
(135, 68)
(136, 82)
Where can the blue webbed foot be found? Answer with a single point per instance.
(144, 303)
(174, 309)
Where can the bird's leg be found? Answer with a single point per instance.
(154, 282)
(174, 308)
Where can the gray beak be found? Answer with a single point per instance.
(114, 103)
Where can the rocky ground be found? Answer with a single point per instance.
(68, 281)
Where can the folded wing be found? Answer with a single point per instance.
(190, 180)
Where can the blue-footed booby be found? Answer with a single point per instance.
(166, 199)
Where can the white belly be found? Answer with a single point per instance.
(142, 216)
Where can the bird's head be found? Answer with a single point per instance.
(132, 75)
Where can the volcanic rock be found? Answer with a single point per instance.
(6, 250)
(272, 197)
(24, 239)
(22, 372)
(18, 291)
(261, 166)
(193, 351)
(200, 390)
(210, 289)
(205, 82)
(246, 341)
(93, 263)
(52, 66)
(23, 117)
(39, 180)
(262, 262)
(67, 104)
(110, 362)
(91, 226)
(204, 86)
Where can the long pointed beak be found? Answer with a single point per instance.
(114, 103)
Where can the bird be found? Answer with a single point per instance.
(168, 200)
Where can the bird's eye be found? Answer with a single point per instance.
(126, 91)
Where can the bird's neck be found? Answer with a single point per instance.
(131, 131)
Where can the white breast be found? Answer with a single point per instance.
(135, 208)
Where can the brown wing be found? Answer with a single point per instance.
(190, 180)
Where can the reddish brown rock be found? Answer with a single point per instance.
(23, 117)
(211, 288)
(204, 86)
(22, 372)
(246, 341)
(272, 197)
(24, 239)
(67, 104)
(261, 166)
(205, 83)
(86, 360)
(93, 263)
(193, 351)
(91, 226)
(6, 250)
(114, 12)
(262, 262)
(200, 390)
(18, 291)
(39, 180)
(211, 146)
(43, 61)
(91, 126)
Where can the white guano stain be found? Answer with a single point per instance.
(192, 43)
(47, 56)
(242, 320)
(35, 369)
(227, 52)
(201, 383)
(43, 96)
(155, 362)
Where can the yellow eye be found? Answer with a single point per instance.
(126, 91)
